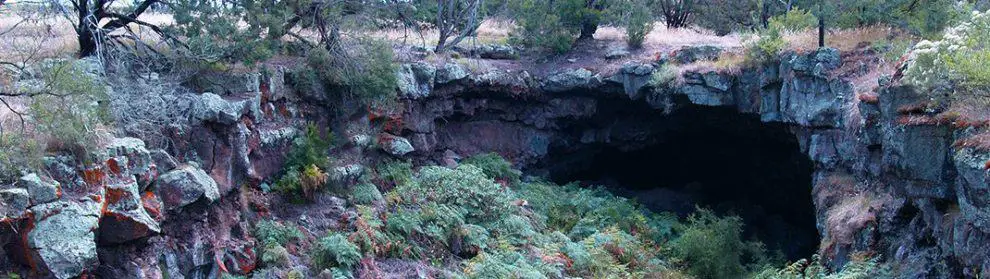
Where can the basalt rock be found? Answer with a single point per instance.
(41, 189)
(63, 240)
(185, 185)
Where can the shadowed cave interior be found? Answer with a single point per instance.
(710, 157)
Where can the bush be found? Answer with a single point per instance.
(335, 251)
(72, 108)
(640, 24)
(664, 77)
(712, 247)
(273, 237)
(766, 47)
(547, 25)
(304, 175)
(494, 166)
(956, 63)
(365, 193)
(795, 20)
(858, 268)
(365, 71)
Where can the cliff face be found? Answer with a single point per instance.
(882, 185)
(884, 179)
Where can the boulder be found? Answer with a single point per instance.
(451, 72)
(125, 217)
(227, 82)
(131, 158)
(504, 52)
(416, 80)
(973, 186)
(347, 173)
(13, 202)
(63, 240)
(185, 185)
(397, 146)
(163, 160)
(569, 80)
(41, 189)
(212, 108)
(616, 53)
(691, 54)
(633, 77)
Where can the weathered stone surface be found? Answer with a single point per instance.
(633, 77)
(130, 157)
(569, 80)
(41, 189)
(705, 96)
(451, 72)
(13, 202)
(63, 239)
(691, 54)
(397, 146)
(973, 187)
(505, 52)
(185, 185)
(808, 96)
(616, 53)
(227, 83)
(416, 80)
(125, 217)
(213, 108)
(347, 173)
(163, 160)
(503, 82)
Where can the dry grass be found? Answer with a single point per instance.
(491, 31)
(28, 37)
(841, 39)
(730, 62)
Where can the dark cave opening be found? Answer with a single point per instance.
(709, 157)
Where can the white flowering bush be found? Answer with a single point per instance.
(957, 61)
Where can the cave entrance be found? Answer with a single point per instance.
(710, 157)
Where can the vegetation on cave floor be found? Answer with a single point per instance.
(481, 220)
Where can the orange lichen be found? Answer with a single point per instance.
(869, 98)
(114, 166)
(150, 203)
(93, 176)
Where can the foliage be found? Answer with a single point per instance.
(858, 268)
(394, 173)
(494, 166)
(677, 13)
(954, 63)
(333, 251)
(69, 112)
(365, 71)
(639, 23)
(273, 237)
(925, 17)
(712, 247)
(795, 20)
(365, 193)
(546, 25)
(304, 175)
(664, 77)
(766, 47)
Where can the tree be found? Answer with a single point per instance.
(591, 17)
(458, 19)
(677, 13)
(95, 20)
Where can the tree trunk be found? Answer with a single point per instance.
(821, 32)
(588, 29)
(87, 43)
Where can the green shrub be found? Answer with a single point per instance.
(795, 20)
(858, 268)
(365, 193)
(304, 175)
(18, 151)
(394, 173)
(546, 25)
(494, 166)
(364, 71)
(640, 24)
(766, 47)
(466, 188)
(712, 247)
(955, 63)
(273, 237)
(333, 251)
(72, 109)
(664, 77)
